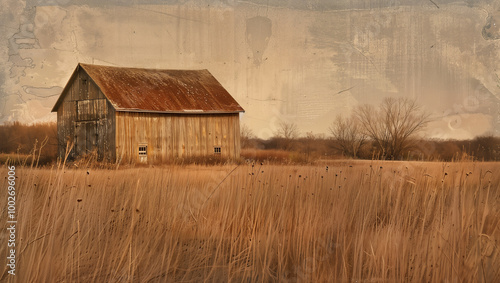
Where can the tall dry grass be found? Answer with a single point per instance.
(356, 221)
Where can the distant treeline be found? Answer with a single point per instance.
(391, 130)
(18, 140)
(482, 148)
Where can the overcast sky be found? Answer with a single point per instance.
(296, 61)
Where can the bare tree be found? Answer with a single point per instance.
(287, 132)
(347, 134)
(393, 125)
(246, 134)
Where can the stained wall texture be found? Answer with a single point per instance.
(169, 137)
(297, 61)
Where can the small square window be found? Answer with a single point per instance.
(143, 150)
(217, 150)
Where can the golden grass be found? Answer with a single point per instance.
(275, 156)
(356, 221)
(14, 158)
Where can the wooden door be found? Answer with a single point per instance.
(86, 137)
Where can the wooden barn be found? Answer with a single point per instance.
(146, 115)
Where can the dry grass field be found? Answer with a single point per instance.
(358, 221)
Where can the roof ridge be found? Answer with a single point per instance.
(138, 68)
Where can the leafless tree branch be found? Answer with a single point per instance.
(393, 125)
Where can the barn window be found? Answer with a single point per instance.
(217, 149)
(143, 150)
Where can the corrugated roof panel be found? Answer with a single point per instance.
(152, 90)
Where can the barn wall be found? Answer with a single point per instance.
(169, 136)
(86, 119)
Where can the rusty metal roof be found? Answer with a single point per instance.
(167, 91)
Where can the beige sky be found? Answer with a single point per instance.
(302, 62)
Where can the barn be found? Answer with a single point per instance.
(146, 115)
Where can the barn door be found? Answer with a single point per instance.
(86, 137)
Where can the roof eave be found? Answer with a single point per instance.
(178, 112)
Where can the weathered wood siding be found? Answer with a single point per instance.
(86, 118)
(170, 136)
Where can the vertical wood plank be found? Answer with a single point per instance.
(225, 150)
(230, 135)
(111, 132)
